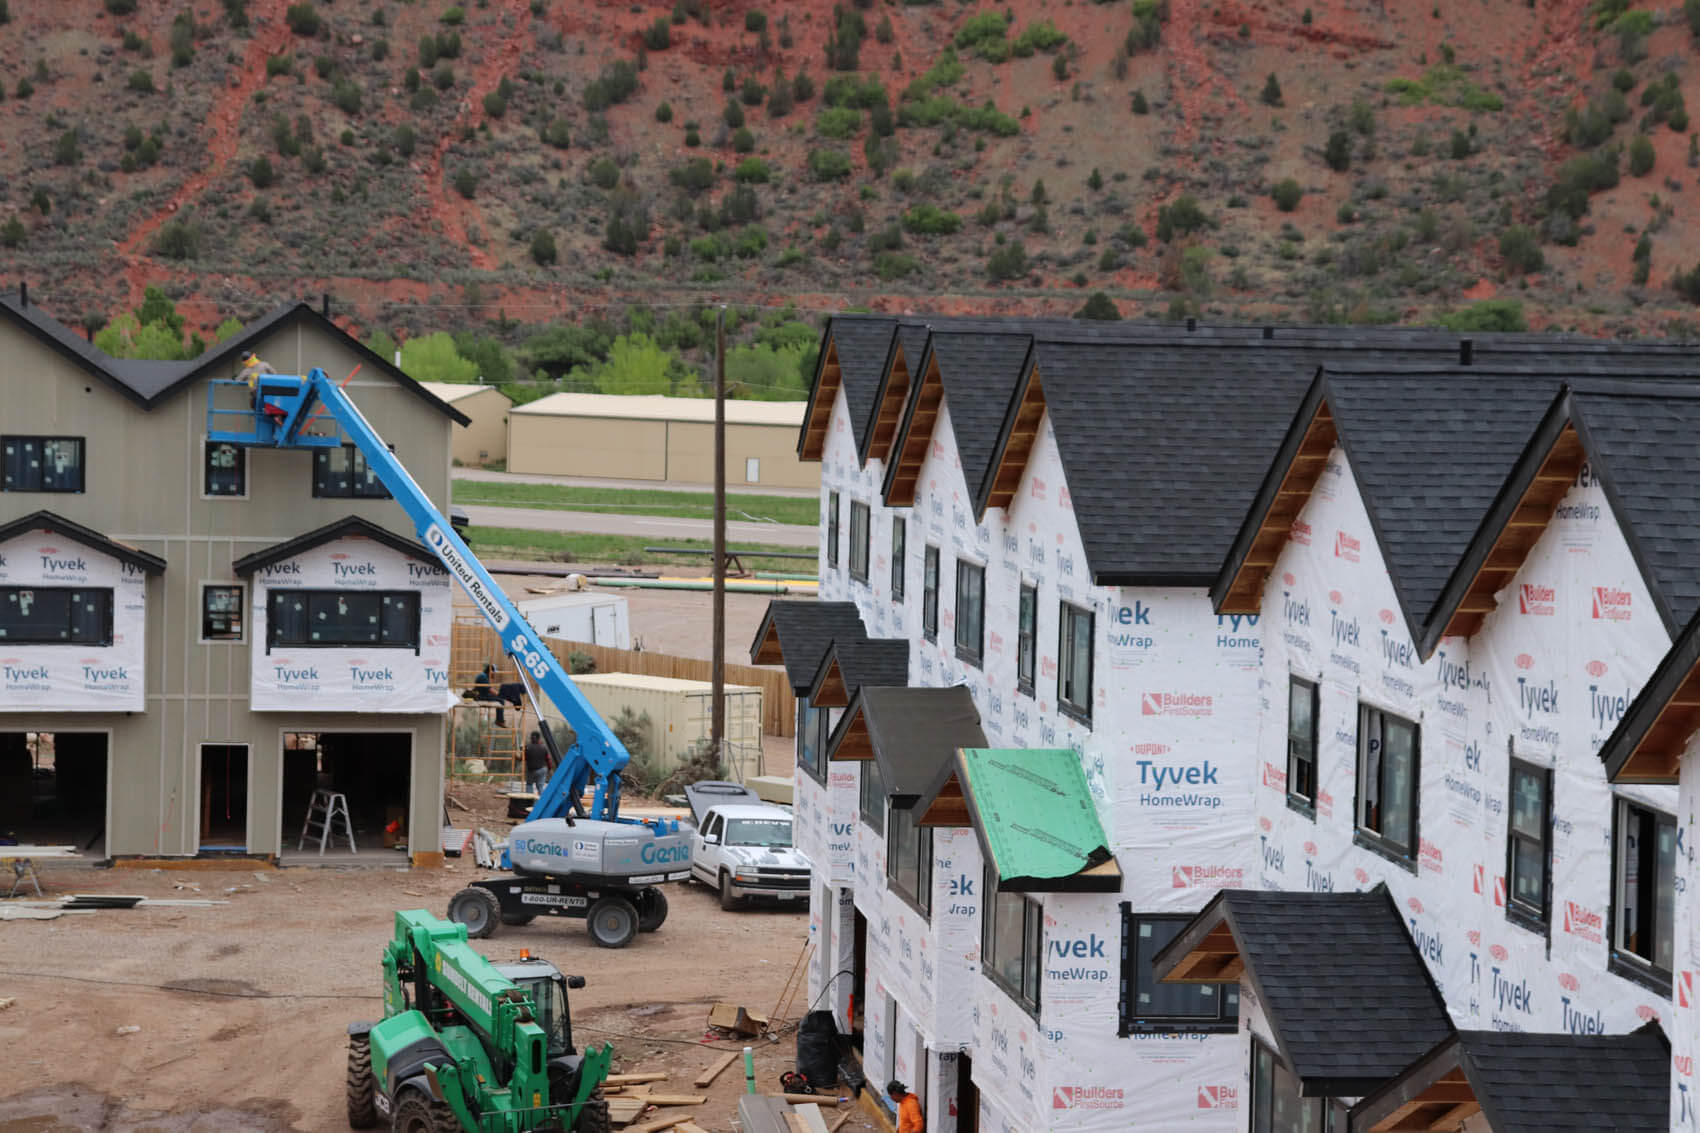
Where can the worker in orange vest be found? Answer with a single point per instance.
(909, 1117)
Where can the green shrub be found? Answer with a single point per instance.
(982, 28)
(1138, 104)
(1338, 152)
(260, 172)
(1641, 155)
(1521, 250)
(695, 176)
(895, 265)
(142, 82)
(838, 122)
(1580, 177)
(743, 141)
(1287, 194)
(753, 91)
(66, 151)
(1486, 316)
(443, 75)
(828, 164)
(1180, 218)
(543, 247)
(615, 85)
(752, 171)
(732, 115)
(557, 133)
(303, 19)
(1271, 94)
(466, 183)
(659, 35)
(13, 232)
(751, 242)
(348, 97)
(453, 16)
(755, 20)
(802, 87)
(178, 240)
(1008, 262)
(1099, 306)
(1042, 36)
(664, 112)
(121, 7)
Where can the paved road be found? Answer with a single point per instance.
(642, 485)
(738, 533)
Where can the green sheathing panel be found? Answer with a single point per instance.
(1035, 819)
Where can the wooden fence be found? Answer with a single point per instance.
(475, 643)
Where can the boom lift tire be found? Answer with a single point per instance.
(419, 1113)
(652, 909)
(613, 922)
(362, 1089)
(518, 918)
(594, 1117)
(477, 909)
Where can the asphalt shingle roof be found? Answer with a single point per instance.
(863, 346)
(805, 629)
(1535, 1083)
(58, 525)
(869, 661)
(979, 373)
(1343, 986)
(915, 733)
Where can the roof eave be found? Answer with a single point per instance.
(352, 525)
(87, 536)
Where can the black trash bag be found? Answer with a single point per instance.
(817, 1049)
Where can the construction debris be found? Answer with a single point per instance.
(707, 1077)
(737, 1020)
(633, 1079)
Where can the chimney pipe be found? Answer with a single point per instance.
(1191, 324)
(1268, 333)
(1466, 352)
(23, 294)
(325, 304)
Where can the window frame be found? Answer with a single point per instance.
(1329, 1113)
(106, 637)
(272, 642)
(40, 440)
(832, 529)
(1372, 839)
(1131, 1022)
(206, 470)
(1536, 919)
(241, 634)
(872, 809)
(1628, 964)
(813, 720)
(1296, 799)
(859, 536)
(899, 555)
(930, 593)
(1067, 614)
(972, 654)
(356, 476)
(920, 897)
(1032, 926)
(1027, 639)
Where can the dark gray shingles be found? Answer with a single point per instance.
(979, 373)
(805, 629)
(1645, 443)
(862, 344)
(871, 661)
(1533, 1083)
(1347, 993)
(915, 733)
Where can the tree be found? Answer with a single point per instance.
(433, 358)
(636, 364)
(1338, 152)
(1287, 194)
(1008, 262)
(1487, 315)
(157, 307)
(1271, 95)
(1641, 156)
(13, 233)
(1520, 250)
(543, 247)
(1099, 306)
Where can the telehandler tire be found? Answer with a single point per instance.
(418, 1113)
(652, 909)
(477, 909)
(594, 1117)
(613, 922)
(362, 1089)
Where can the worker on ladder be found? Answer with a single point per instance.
(252, 366)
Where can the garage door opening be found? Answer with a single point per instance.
(53, 789)
(224, 798)
(368, 772)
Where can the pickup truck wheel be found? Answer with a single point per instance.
(652, 909)
(477, 909)
(594, 1117)
(613, 922)
(727, 900)
(417, 1113)
(362, 1108)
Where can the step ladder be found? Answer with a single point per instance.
(328, 807)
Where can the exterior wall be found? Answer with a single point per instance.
(1544, 678)
(485, 439)
(144, 481)
(690, 455)
(679, 451)
(1685, 1030)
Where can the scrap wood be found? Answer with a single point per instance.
(624, 1111)
(839, 1121)
(659, 1124)
(688, 1127)
(673, 1099)
(633, 1079)
(809, 1116)
(707, 1077)
(811, 1099)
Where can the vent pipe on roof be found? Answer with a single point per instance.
(1466, 351)
(1268, 333)
(325, 304)
(23, 294)
(1191, 324)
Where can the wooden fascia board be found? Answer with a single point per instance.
(1244, 592)
(1016, 441)
(817, 420)
(888, 413)
(914, 436)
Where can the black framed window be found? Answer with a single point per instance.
(909, 858)
(1302, 705)
(316, 619)
(226, 470)
(1276, 1105)
(812, 733)
(1146, 1004)
(930, 594)
(873, 795)
(1528, 846)
(899, 556)
(832, 529)
(1388, 757)
(342, 473)
(42, 464)
(1027, 639)
(1074, 662)
(1643, 886)
(55, 615)
(970, 611)
(221, 613)
(1012, 942)
(858, 541)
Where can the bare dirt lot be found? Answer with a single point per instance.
(242, 1008)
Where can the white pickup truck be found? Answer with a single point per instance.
(742, 846)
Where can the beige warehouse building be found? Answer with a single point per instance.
(485, 438)
(658, 438)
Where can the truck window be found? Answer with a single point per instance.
(769, 832)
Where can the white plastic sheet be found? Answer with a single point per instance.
(75, 678)
(364, 678)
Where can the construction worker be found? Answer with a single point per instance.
(539, 763)
(909, 1116)
(252, 366)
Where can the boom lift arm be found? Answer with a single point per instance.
(284, 406)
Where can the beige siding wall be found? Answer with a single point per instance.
(485, 440)
(587, 446)
(143, 486)
(690, 455)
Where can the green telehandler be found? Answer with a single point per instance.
(468, 1046)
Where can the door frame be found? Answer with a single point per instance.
(247, 802)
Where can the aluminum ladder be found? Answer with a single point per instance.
(329, 806)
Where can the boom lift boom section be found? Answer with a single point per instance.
(283, 408)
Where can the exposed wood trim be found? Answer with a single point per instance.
(889, 413)
(820, 414)
(1024, 434)
(911, 456)
(1245, 592)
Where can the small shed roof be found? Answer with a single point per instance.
(786, 414)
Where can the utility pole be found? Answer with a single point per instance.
(717, 727)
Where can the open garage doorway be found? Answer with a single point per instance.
(53, 789)
(368, 773)
(224, 799)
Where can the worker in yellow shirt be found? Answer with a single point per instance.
(909, 1116)
(252, 367)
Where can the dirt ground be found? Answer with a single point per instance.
(241, 1008)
